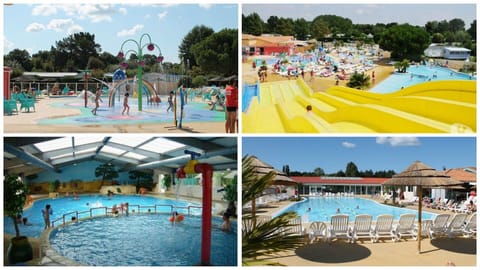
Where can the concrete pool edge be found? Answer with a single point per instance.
(49, 256)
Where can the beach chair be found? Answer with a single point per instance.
(338, 227)
(439, 225)
(317, 230)
(470, 227)
(383, 228)
(405, 227)
(426, 225)
(456, 225)
(295, 227)
(361, 227)
(27, 103)
(10, 106)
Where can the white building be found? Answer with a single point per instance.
(447, 52)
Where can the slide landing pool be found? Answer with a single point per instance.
(431, 107)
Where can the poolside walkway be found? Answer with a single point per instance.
(29, 122)
(437, 252)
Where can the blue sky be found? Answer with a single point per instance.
(376, 153)
(35, 27)
(415, 14)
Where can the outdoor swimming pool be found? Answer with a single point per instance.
(65, 205)
(323, 208)
(416, 75)
(143, 240)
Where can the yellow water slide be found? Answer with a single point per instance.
(431, 107)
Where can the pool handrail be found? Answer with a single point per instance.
(137, 206)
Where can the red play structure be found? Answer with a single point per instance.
(207, 173)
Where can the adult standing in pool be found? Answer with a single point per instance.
(46, 215)
(231, 102)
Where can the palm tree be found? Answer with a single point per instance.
(359, 80)
(266, 237)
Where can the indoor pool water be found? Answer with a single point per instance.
(416, 75)
(143, 240)
(323, 208)
(65, 205)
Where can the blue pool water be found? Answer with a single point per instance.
(65, 205)
(416, 75)
(323, 208)
(143, 240)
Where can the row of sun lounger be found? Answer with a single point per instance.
(364, 227)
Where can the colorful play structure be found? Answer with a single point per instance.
(430, 107)
(121, 85)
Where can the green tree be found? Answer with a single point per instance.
(473, 30)
(456, 25)
(14, 197)
(198, 34)
(271, 25)
(265, 237)
(405, 41)
(318, 172)
(358, 80)
(252, 24)
(351, 170)
(106, 171)
(74, 51)
(438, 38)
(199, 81)
(301, 29)
(218, 53)
(402, 66)
(319, 29)
(285, 27)
(336, 24)
(19, 59)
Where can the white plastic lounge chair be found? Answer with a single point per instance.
(317, 230)
(456, 225)
(439, 225)
(361, 227)
(405, 227)
(426, 225)
(295, 227)
(470, 227)
(383, 228)
(338, 227)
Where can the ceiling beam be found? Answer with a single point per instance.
(28, 157)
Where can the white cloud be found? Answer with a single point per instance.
(162, 15)
(398, 141)
(35, 27)
(205, 6)
(95, 13)
(348, 145)
(122, 11)
(60, 25)
(130, 32)
(74, 29)
(44, 10)
(168, 5)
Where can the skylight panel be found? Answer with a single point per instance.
(129, 141)
(161, 145)
(112, 150)
(85, 151)
(66, 142)
(135, 156)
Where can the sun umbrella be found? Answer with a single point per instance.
(263, 168)
(420, 175)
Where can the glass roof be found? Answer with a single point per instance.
(66, 142)
(89, 150)
(161, 145)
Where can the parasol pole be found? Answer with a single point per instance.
(419, 233)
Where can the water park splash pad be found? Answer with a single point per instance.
(429, 107)
(152, 113)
